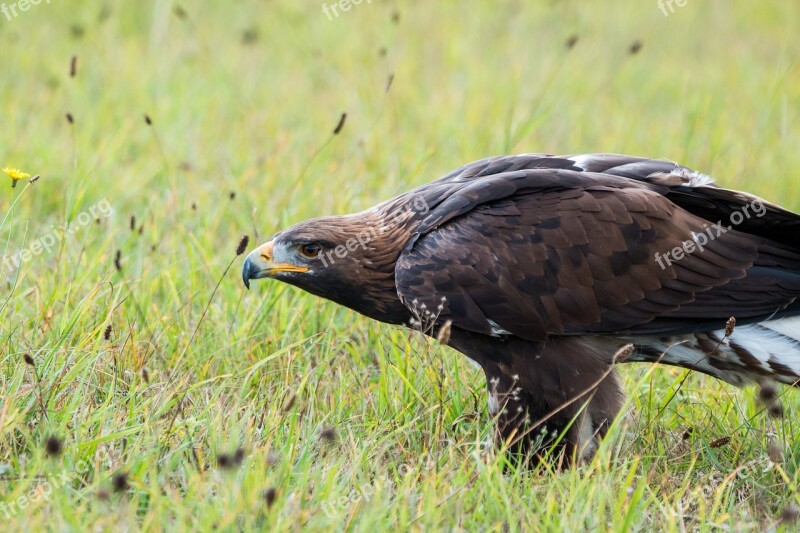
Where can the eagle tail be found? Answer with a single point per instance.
(768, 350)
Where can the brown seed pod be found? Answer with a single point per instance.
(775, 410)
(767, 391)
(729, 326)
(328, 435)
(53, 446)
(790, 514)
(444, 332)
(340, 125)
(270, 495)
(720, 442)
(572, 40)
(242, 246)
(120, 482)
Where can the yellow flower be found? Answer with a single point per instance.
(15, 175)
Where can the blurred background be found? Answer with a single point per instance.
(244, 96)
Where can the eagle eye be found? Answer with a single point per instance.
(310, 250)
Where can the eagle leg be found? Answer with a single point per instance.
(551, 401)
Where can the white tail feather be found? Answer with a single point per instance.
(767, 350)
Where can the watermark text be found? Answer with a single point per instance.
(332, 11)
(699, 241)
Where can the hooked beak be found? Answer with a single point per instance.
(259, 264)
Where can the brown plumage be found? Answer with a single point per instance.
(543, 269)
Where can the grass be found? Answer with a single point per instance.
(283, 411)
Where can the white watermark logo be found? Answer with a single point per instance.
(418, 205)
(10, 10)
(699, 240)
(44, 489)
(663, 5)
(101, 209)
(364, 492)
(332, 11)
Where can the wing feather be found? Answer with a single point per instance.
(543, 251)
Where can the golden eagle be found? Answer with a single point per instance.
(546, 270)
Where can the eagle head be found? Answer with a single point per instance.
(346, 259)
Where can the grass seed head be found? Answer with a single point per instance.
(720, 442)
(774, 451)
(790, 514)
(729, 326)
(328, 435)
(238, 456)
(340, 125)
(229, 461)
(289, 402)
(250, 36)
(270, 495)
(53, 446)
(623, 353)
(444, 332)
(242, 246)
(180, 12)
(120, 482)
(767, 391)
(223, 461)
(572, 40)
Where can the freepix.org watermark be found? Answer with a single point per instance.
(44, 489)
(332, 11)
(102, 209)
(364, 492)
(12, 9)
(417, 205)
(699, 240)
(663, 5)
(41, 492)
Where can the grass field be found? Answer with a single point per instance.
(136, 395)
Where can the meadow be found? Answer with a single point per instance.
(143, 388)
